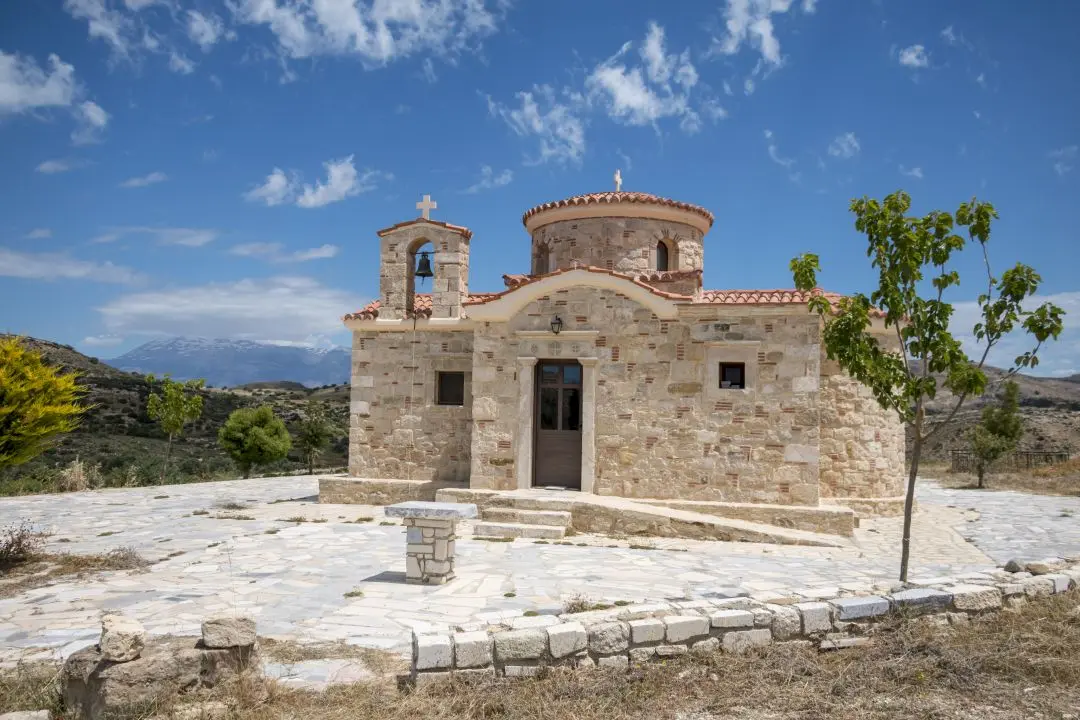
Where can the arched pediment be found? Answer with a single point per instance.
(508, 304)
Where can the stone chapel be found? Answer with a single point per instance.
(607, 369)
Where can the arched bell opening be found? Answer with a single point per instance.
(421, 271)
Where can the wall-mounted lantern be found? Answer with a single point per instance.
(556, 325)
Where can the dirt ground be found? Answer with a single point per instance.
(1015, 664)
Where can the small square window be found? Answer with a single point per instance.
(733, 376)
(450, 388)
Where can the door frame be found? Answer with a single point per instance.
(537, 388)
(523, 462)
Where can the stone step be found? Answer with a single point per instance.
(518, 530)
(558, 518)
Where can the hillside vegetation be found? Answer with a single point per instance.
(118, 444)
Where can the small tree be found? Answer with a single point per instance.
(998, 432)
(907, 251)
(38, 403)
(254, 436)
(176, 406)
(314, 434)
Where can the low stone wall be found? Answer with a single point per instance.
(362, 491)
(829, 520)
(640, 633)
(873, 507)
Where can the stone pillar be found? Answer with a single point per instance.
(588, 423)
(526, 392)
(429, 538)
(397, 285)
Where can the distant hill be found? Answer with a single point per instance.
(237, 362)
(119, 438)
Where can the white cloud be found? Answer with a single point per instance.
(643, 95)
(1056, 358)
(488, 179)
(628, 163)
(277, 309)
(774, 152)
(377, 32)
(151, 179)
(845, 146)
(109, 25)
(179, 63)
(277, 190)
(186, 237)
(749, 22)
(92, 120)
(38, 234)
(428, 68)
(274, 252)
(102, 340)
(914, 56)
(204, 30)
(981, 79)
(342, 181)
(1064, 158)
(948, 35)
(558, 126)
(58, 266)
(24, 85)
(915, 172)
(50, 167)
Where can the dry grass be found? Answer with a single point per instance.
(379, 662)
(19, 543)
(1061, 479)
(1008, 666)
(44, 569)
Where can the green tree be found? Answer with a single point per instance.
(38, 403)
(998, 432)
(254, 436)
(176, 406)
(912, 256)
(314, 434)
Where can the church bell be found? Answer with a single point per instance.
(423, 265)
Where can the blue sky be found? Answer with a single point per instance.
(220, 169)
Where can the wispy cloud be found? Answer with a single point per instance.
(59, 266)
(91, 119)
(553, 120)
(96, 341)
(277, 309)
(342, 181)
(185, 237)
(845, 146)
(275, 252)
(51, 167)
(204, 30)
(151, 179)
(1064, 158)
(749, 23)
(915, 172)
(914, 56)
(488, 180)
(774, 155)
(38, 234)
(24, 85)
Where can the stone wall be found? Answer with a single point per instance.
(396, 430)
(862, 444)
(626, 245)
(663, 426)
(397, 263)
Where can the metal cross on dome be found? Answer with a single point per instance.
(425, 207)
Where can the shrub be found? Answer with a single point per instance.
(78, 476)
(254, 436)
(19, 543)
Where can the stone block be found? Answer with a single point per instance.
(522, 671)
(642, 655)
(856, 608)
(520, 645)
(666, 651)
(740, 641)
(424, 679)
(414, 536)
(1040, 586)
(1046, 566)
(432, 652)
(926, 599)
(1061, 581)
(27, 715)
(1010, 590)
(732, 619)
(975, 598)
(226, 631)
(472, 649)
(646, 630)
(526, 622)
(122, 638)
(609, 638)
(679, 628)
(786, 622)
(613, 661)
(474, 675)
(566, 639)
(762, 617)
(843, 643)
(708, 645)
(816, 617)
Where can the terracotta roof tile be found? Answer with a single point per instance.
(456, 228)
(769, 297)
(610, 198)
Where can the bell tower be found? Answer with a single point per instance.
(400, 247)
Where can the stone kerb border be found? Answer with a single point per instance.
(645, 632)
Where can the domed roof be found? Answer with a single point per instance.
(608, 199)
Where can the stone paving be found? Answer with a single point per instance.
(294, 577)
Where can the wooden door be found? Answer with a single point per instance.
(557, 423)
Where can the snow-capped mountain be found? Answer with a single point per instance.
(237, 362)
